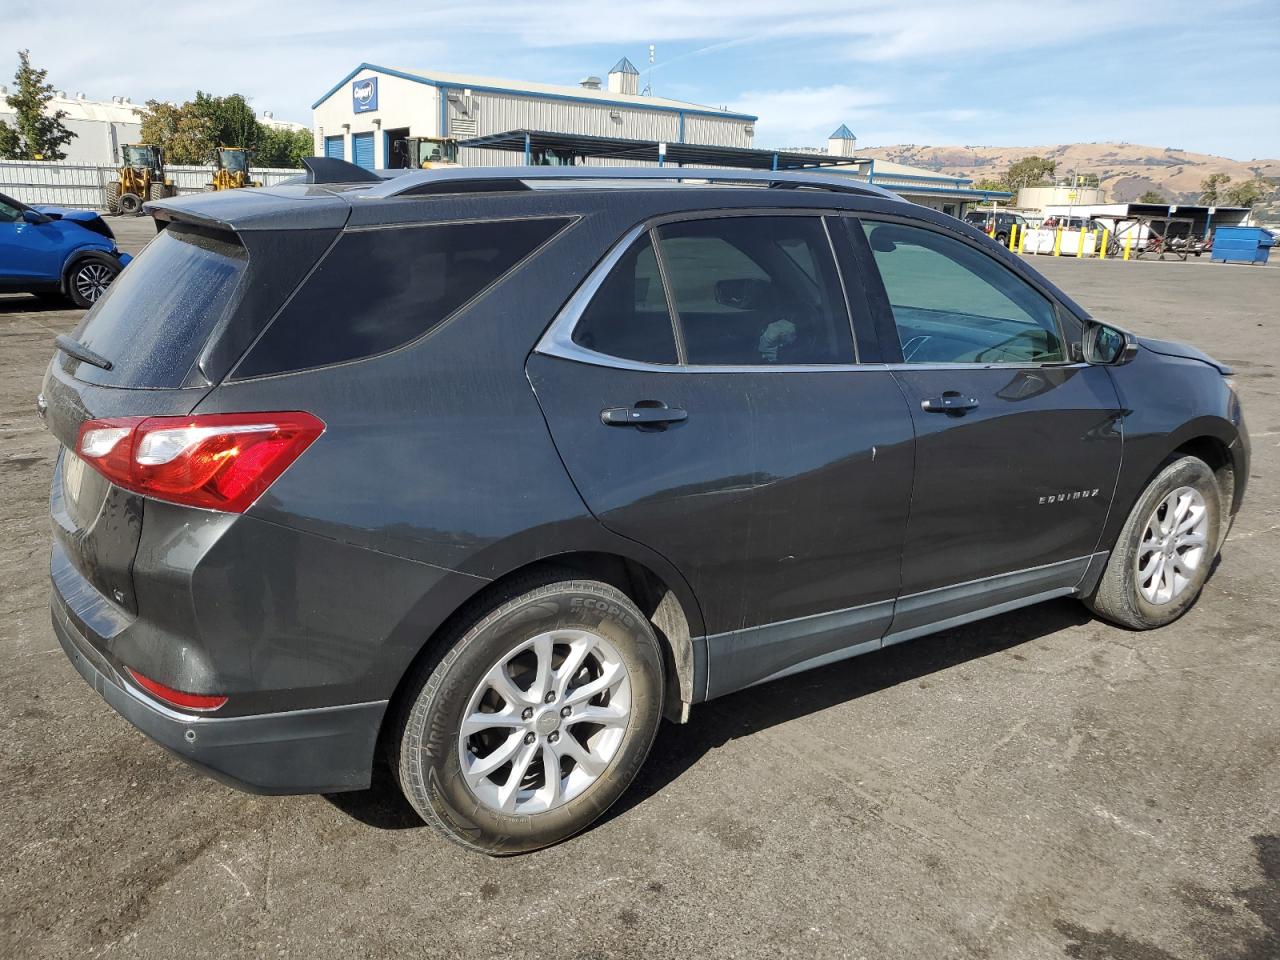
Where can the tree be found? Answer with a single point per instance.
(281, 147)
(1246, 193)
(192, 132)
(1210, 186)
(1030, 172)
(185, 136)
(1152, 196)
(37, 133)
(233, 121)
(990, 184)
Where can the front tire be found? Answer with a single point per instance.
(89, 278)
(535, 720)
(1163, 555)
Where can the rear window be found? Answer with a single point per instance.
(379, 289)
(157, 315)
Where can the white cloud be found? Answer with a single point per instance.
(805, 116)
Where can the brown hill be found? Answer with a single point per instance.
(1126, 170)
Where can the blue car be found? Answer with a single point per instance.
(53, 251)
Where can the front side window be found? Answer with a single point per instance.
(9, 212)
(756, 291)
(954, 304)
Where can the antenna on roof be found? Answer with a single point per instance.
(648, 86)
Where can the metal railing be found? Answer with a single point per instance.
(65, 184)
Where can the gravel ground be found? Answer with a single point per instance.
(1039, 785)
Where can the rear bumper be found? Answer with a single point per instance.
(319, 750)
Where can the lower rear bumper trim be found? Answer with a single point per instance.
(321, 750)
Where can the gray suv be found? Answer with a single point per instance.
(485, 471)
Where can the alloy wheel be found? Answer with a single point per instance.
(92, 280)
(545, 722)
(1173, 546)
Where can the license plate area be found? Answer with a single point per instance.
(84, 491)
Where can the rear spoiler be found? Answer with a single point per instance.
(333, 170)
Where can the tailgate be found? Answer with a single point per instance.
(97, 525)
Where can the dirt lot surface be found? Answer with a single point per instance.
(1039, 785)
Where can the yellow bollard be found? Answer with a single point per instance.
(1013, 238)
(1080, 246)
(1022, 243)
(1106, 239)
(1127, 242)
(1057, 242)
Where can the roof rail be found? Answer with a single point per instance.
(333, 170)
(474, 179)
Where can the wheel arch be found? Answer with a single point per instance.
(77, 257)
(1217, 453)
(661, 594)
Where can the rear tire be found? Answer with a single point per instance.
(113, 197)
(158, 192)
(546, 664)
(89, 278)
(1155, 572)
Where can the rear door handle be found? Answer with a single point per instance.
(951, 402)
(646, 413)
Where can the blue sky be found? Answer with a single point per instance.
(1203, 76)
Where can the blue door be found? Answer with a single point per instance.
(362, 149)
(333, 147)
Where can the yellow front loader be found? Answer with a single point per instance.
(140, 178)
(231, 170)
(423, 153)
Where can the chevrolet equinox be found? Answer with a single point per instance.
(488, 470)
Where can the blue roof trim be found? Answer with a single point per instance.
(444, 84)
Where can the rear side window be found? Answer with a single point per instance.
(157, 315)
(745, 291)
(379, 289)
(756, 291)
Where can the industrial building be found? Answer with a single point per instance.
(373, 106)
(505, 122)
(100, 126)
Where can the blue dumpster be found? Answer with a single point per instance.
(1242, 244)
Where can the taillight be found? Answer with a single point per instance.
(220, 461)
(176, 698)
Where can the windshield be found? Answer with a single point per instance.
(236, 161)
(437, 151)
(137, 156)
(157, 316)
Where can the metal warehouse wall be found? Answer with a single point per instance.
(486, 113)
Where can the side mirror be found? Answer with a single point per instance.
(36, 217)
(1107, 346)
(748, 293)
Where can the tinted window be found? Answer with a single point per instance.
(628, 316)
(379, 289)
(954, 304)
(157, 315)
(9, 211)
(756, 290)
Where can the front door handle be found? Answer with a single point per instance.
(952, 402)
(647, 414)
